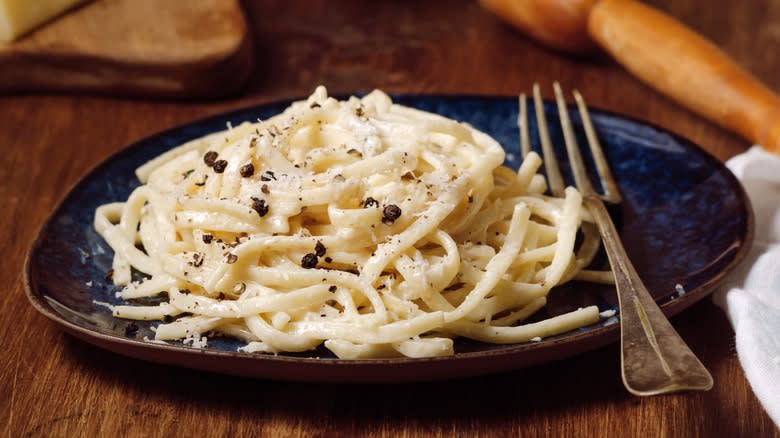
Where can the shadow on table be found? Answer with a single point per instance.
(565, 389)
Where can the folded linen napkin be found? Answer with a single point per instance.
(751, 294)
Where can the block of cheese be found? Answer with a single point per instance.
(183, 49)
(18, 17)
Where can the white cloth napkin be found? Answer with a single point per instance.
(751, 294)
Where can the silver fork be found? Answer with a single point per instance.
(654, 359)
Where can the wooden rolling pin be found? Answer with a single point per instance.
(660, 51)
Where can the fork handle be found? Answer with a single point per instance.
(683, 65)
(654, 359)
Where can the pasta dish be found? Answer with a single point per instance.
(371, 228)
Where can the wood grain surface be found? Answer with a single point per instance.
(54, 385)
(161, 48)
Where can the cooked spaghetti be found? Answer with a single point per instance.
(371, 227)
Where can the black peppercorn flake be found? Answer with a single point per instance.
(210, 158)
(267, 176)
(319, 249)
(131, 330)
(221, 296)
(370, 202)
(187, 173)
(231, 258)
(247, 170)
(309, 261)
(315, 105)
(264, 189)
(239, 288)
(328, 260)
(259, 206)
(168, 319)
(381, 286)
(184, 291)
(332, 289)
(220, 165)
(390, 214)
(197, 259)
(355, 153)
(207, 238)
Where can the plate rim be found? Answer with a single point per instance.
(341, 370)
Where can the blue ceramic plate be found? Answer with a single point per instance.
(685, 222)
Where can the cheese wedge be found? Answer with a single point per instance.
(18, 17)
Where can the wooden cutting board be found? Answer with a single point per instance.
(148, 48)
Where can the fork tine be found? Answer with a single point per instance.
(522, 126)
(554, 178)
(611, 193)
(572, 148)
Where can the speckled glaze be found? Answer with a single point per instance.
(685, 222)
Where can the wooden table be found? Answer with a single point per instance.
(54, 385)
